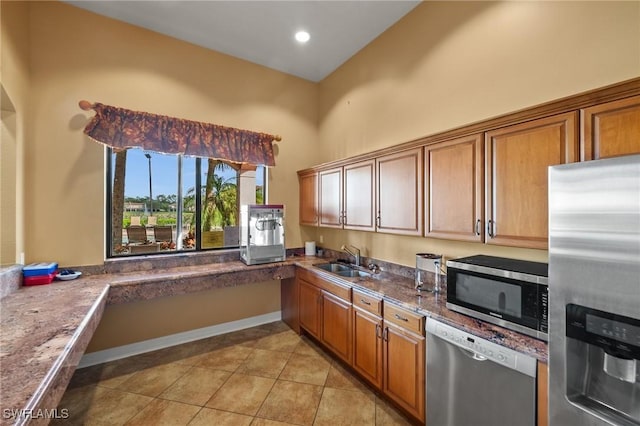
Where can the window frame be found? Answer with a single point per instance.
(109, 167)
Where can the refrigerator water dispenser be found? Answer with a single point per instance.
(603, 374)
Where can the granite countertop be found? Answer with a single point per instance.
(45, 329)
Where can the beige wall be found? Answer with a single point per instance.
(14, 103)
(134, 322)
(448, 64)
(78, 55)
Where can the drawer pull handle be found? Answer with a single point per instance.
(365, 302)
(401, 318)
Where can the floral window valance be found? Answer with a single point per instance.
(122, 128)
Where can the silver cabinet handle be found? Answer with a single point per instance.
(490, 228)
(385, 334)
(401, 318)
(478, 226)
(378, 331)
(378, 220)
(365, 302)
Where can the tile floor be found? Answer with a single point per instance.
(265, 375)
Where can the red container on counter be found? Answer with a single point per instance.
(39, 279)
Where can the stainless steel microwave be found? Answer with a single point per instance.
(507, 292)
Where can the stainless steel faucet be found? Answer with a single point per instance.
(355, 253)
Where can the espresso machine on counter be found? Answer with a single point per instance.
(262, 233)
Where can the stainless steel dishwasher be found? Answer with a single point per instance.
(474, 382)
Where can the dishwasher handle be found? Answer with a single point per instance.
(473, 355)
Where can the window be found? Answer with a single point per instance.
(161, 203)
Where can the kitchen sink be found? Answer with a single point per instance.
(353, 273)
(334, 267)
(342, 270)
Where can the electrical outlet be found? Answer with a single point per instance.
(321, 239)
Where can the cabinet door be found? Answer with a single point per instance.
(517, 159)
(404, 369)
(336, 325)
(309, 304)
(453, 189)
(399, 192)
(359, 196)
(543, 394)
(330, 198)
(611, 129)
(367, 346)
(308, 199)
(289, 299)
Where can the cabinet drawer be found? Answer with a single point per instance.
(367, 302)
(401, 317)
(343, 291)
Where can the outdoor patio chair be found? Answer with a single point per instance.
(152, 220)
(135, 221)
(163, 234)
(136, 234)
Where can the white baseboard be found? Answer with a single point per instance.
(137, 348)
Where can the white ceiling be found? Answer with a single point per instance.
(262, 31)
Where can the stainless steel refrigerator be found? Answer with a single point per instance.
(594, 293)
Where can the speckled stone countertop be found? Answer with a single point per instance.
(45, 329)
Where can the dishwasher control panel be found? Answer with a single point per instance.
(482, 349)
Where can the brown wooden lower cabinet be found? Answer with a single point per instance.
(543, 394)
(367, 346)
(388, 353)
(404, 369)
(309, 302)
(336, 325)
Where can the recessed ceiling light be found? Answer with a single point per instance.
(302, 36)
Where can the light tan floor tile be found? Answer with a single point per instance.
(309, 348)
(95, 405)
(340, 378)
(210, 417)
(264, 363)
(163, 412)
(249, 337)
(285, 341)
(189, 353)
(266, 422)
(291, 402)
(95, 394)
(345, 407)
(227, 358)
(154, 380)
(196, 386)
(306, 369)
(241, 394)
(110, 374)
(388, 416)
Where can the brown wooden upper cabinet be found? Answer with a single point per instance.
(611, 129)
(517, 158)
(399, 192)
(347, 196)
(454, 189)
(308, 198)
